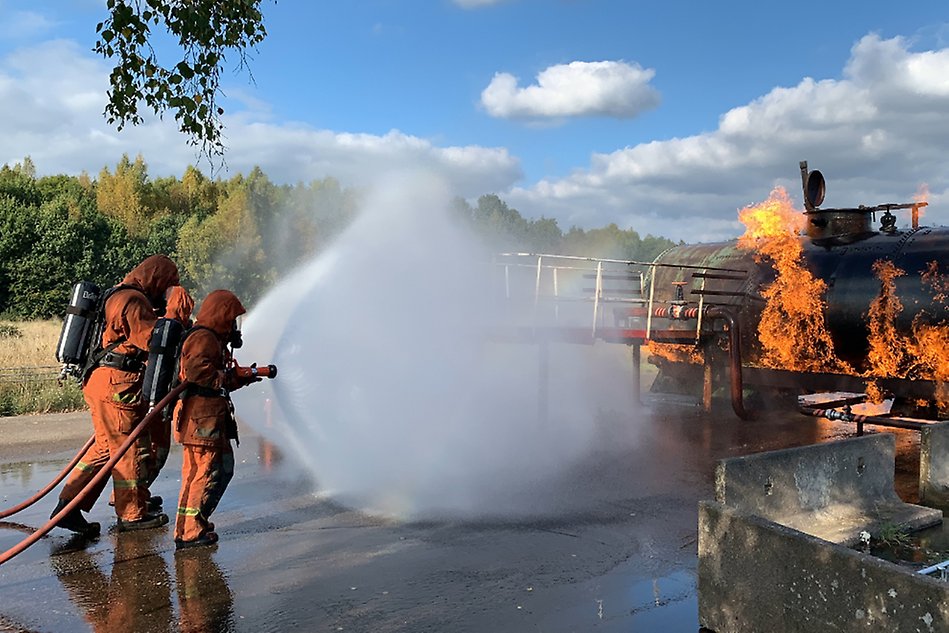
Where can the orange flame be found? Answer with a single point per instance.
(923, 354)
(774, 218)
(921, 195)
(887, 355)
(791, 330)
(930, 349)
(938, 282)
(674, 352)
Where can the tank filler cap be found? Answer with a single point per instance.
(814, 189)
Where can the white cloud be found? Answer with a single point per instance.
(876, 134)
(52, 97)
(606, 88)
(23, 24)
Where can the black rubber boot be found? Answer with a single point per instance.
(147, 522)
(154, 504)
(210, 538)
(74, 521)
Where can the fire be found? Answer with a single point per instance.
(887, 354)
(792, 332)
(875, 395)
(674, 352)
(930, 349)
(775, 218)
(921, 195)
(937, 281)
(923, 353)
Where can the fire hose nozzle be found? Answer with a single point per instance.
(270, 371)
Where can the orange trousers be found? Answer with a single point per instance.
(159, 434)
(205, 473)
(129, 485)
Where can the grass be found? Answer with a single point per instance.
(29, 371)
(894, 536)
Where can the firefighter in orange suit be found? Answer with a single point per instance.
(113, 392)
(204, 416)
(178, 306)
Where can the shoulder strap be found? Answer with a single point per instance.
(176, 377)
(97, 352)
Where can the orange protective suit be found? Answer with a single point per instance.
(178, 306)
(114, 395)
(204, 418)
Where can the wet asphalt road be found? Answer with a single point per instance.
(289, 560)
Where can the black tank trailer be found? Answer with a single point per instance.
(714, 306)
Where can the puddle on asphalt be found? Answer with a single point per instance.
(16, 477)
(669, 603)
(615, 603)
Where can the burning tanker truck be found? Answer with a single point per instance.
(831, 300)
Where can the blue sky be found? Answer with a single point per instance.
(662, 116)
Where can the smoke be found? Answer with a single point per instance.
(391, 393)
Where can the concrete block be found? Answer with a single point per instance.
(756, 575)
(832, 490)
(934, 465)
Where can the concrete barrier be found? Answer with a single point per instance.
(756, 575)
(832, 490)
(773, 552)
(934, 465)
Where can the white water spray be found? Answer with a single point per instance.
(389, 391)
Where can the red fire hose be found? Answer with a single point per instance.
(97, 479)
(42, 493)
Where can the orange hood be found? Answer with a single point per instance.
(219, 310)
(178, 304)
(153, 276)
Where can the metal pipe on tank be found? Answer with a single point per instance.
(734, 355)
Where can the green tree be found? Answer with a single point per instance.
(310, 216)
(544, 236)
(224, 249)
(17, 235)
(501, 226)
(122, 194)
(20, 185)
(613, 242)
(206, 31)
(56, 245)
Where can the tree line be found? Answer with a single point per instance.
(242, 233)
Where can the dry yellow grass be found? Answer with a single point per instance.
(36, 347)
(28, 370)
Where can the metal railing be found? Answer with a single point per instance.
(602, 271)
(632, 289)
(36, 373)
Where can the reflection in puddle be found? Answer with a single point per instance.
(137, 594)
(16, 475)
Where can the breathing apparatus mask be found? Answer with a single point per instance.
(235, 338)
(159, 304)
